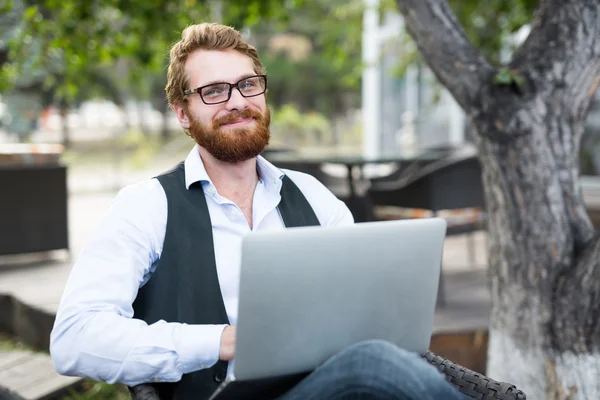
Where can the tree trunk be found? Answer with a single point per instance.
(544, 257)
(538, 231)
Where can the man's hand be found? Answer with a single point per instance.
(227, 343)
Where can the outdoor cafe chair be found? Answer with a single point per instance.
(470, 383)
(452, 182)
(436, 188)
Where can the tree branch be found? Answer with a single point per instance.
(562, 51)
(442, 42)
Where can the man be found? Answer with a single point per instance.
(153, 296)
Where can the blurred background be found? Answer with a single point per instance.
(83, 113)
(343, 76)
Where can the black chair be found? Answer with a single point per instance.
(472, 384)
(451, 182)
(338, 185)
(33, 208)
(448, 183)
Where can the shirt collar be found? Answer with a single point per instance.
(269, 174)
(194, 169)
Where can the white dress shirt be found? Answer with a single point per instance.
(94, 334)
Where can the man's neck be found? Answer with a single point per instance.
(233, 181)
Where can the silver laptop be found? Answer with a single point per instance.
(307, 293)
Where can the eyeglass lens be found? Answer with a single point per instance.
(219, 92)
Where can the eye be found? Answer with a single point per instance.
(213, 91)
(249, 84)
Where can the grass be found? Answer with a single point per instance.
(92, 390)
(134, 150)
(8, 343)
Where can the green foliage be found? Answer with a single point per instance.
(67, 37)
(99, 391)
(488, 24)
(327, 76)
(105, 48)
(140, 149)
(292, 127)
(8, 343)
(71, 50)
(507, 76)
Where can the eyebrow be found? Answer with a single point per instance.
(239, 78)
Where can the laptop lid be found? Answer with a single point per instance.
(306, 293)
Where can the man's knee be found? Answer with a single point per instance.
(378, 369)
(383, 350)
(378, 366)
(372, 358)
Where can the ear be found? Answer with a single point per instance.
(182, 116)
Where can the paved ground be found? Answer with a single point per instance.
(31, 375)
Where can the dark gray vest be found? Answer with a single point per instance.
(184, 287)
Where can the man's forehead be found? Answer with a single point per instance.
(207, 66)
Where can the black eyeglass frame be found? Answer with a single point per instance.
(187, 92)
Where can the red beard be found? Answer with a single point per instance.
(233, 145)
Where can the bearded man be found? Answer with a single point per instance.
(153, 296)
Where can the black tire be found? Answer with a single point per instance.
(6, 394)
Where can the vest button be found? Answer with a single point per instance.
(220, 376)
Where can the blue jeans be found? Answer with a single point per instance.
(374, 369)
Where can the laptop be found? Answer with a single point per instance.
(307, 293)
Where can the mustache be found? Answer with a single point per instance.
(237, 115)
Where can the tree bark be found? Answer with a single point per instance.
(543, 254)
(437, 33)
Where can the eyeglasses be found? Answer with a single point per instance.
(217, 93)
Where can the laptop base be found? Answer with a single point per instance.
(263, 389)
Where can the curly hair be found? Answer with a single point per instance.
(205, 36)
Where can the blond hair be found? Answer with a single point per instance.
(205, 36)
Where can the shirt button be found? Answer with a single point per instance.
(220, 376)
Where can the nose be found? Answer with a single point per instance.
(236, 101)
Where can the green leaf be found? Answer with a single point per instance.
(30, 12)
(503, 77)
(6, 6)
(507, 76)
